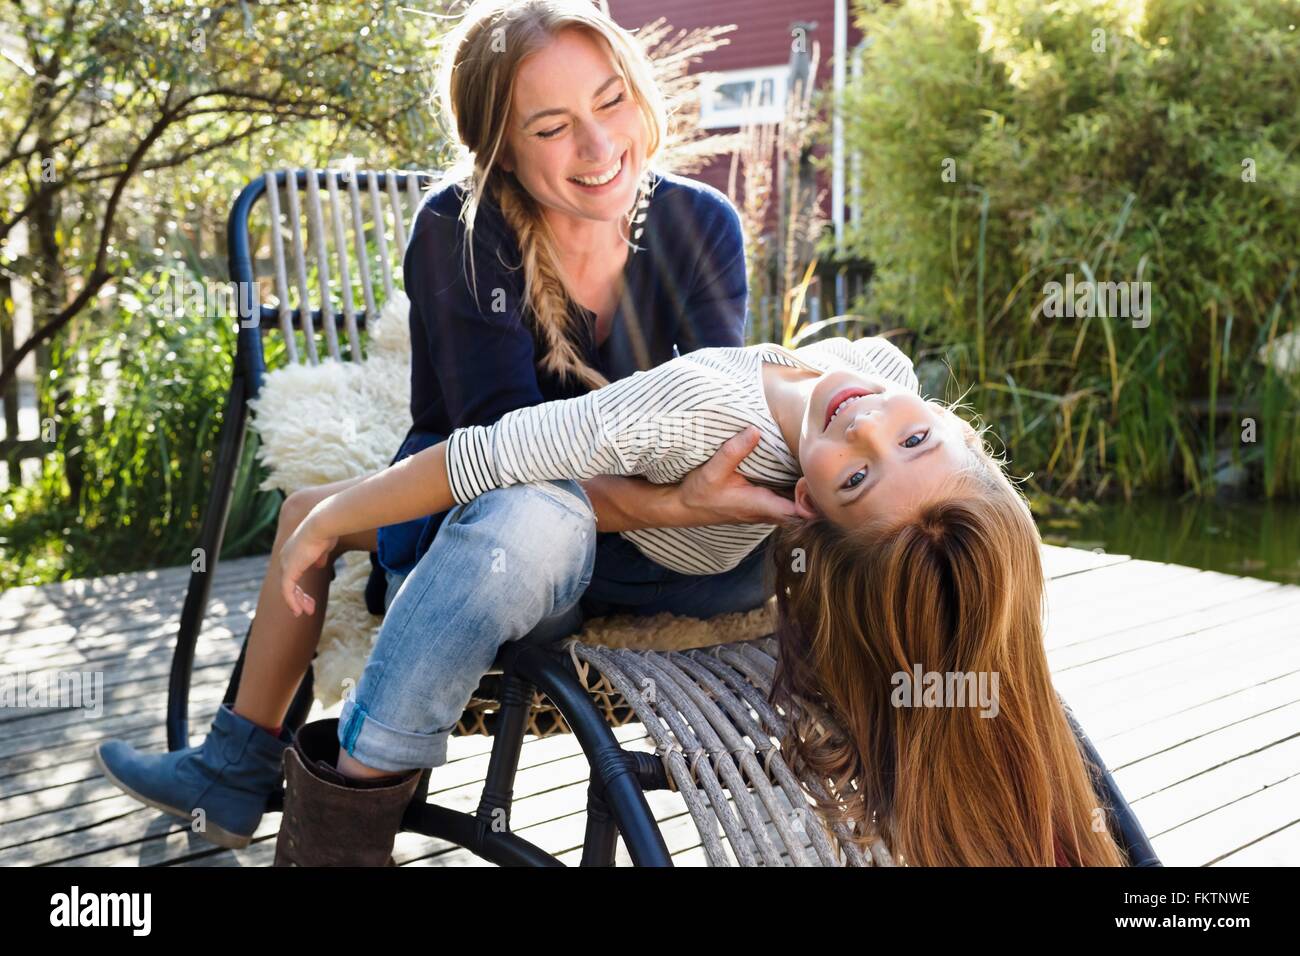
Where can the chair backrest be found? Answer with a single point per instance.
(336, 242)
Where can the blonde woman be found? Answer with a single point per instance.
(553, 261)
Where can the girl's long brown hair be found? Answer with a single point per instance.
(476, 84)
(957, 587)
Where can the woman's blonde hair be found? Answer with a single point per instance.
(958, 587)
(476, 84)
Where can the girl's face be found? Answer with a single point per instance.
(573, 116)
(887, 451)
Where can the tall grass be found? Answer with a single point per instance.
(1111, 139)
(770, 166)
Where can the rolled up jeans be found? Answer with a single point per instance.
(519, 563)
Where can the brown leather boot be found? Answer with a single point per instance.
(329, 819)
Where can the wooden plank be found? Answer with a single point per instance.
(1203, 794)
(554, 820)
(1148, 603)
(164, 605)
(1185, 761)
(74, 592)
(123, 696)
(548, 766)
(460, 768)
(562, 837)
(75, 601)
(1061, 562)
(228, 607)
(62, 828)
(681, 835)
(1162, 663)
(29, 606)
(1148, 668)
(675, 823)
(1186, 792)
(1279, 848)
(65, 764)
(678, 829)
(149, 648)
(1094, 589)
(54, 634)
(89, 786)
(1105, 717)
(66, 598)
(34, 739)
(1187, 681)
(1152, 737)
(1217, 835)
(1075, 646)
(75, 651)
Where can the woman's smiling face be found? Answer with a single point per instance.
(573, 116)
(869, 446)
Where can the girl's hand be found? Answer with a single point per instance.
(720, 495)
(304, 549)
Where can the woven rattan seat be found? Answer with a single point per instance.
(707, 713)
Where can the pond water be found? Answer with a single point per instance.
(1259, 540)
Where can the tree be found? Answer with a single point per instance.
(100, 93)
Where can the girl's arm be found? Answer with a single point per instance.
(414, 487)
(567, 438)
(617, 430)
(714, 493)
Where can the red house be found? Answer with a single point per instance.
(755, 63)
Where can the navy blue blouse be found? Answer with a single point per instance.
(684, 288)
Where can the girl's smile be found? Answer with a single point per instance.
(866, 445)
(843, 399)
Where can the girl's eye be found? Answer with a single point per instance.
(853, 484)
(920, 436)
(614, 102)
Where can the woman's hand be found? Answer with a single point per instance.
(718, 494)
(304, 549)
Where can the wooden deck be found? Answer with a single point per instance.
(1187, 681)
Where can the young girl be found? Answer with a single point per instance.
(952, 585)
(823, 413)
(911, 548)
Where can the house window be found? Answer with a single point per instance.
(738, 97)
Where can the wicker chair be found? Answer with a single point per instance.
(708, 715)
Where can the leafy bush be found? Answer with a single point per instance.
(1005, 144)
(138, 433)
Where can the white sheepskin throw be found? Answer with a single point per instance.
(336, 420)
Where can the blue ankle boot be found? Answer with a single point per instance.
(229, 777)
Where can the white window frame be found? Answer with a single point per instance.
(711, 117)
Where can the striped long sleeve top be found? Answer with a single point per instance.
(661, 424)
